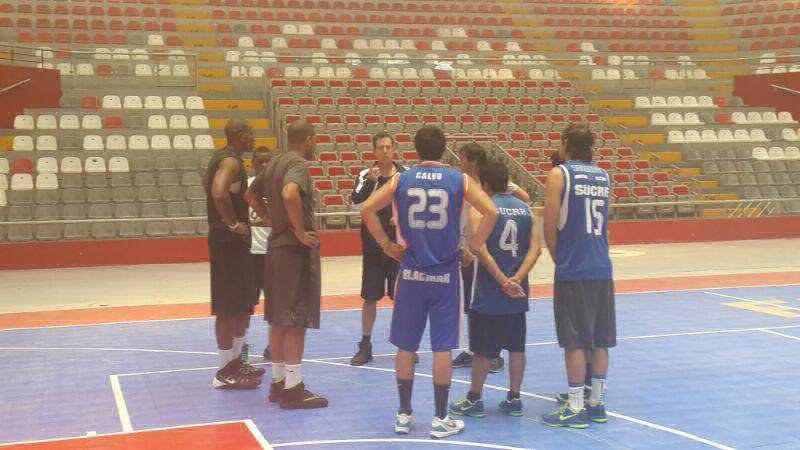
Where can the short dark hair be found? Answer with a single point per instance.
(578, 140)
(495, 174)
(430, 143)
(379, 136)
(235, 127)
(475, 152)
(262, 149)
(298, 131)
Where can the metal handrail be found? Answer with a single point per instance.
(784, 88)
(18, 83)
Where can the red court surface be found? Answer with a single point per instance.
(218, 436)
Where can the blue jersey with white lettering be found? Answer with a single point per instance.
(428, 199)
(508, 244)
(582, 244)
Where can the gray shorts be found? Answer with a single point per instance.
(292, 286)
(585, 313)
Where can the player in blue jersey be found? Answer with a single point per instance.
(428, 200)
(575, 230)
(500, 294)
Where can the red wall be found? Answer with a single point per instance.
(39, 255)
(755, 90)
(43, 91)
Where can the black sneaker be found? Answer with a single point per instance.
(300, 398)
(463, 360)
(275, 391)
(267, 354)
(497, 364)
(363, 355)
(249, 370)
(232, 377)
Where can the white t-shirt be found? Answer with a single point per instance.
(258, 235)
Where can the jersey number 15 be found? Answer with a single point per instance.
(594, 217)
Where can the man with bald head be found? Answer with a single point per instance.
(233, 293)
(292, 273)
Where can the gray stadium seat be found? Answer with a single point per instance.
(149, 194)
(130, 229)
(104, 230)
(710, 168)
(99, 195)
(195, 193)
(188, 163)
(727, 153)
(172, 193)
(752, 192)
(761, 166)
(47, 212)
(788, 191)
(19, 197)
(191, 179)
(79, 230)
(94, 180)
(165, 163)
(729, 179)
(202, 227)
(47, 197)
(782, 178)
(747, 179)
(48, 232)
(198, 208)
(19, 232)
(100, 211)
(73, 196)
(168, 179)
(777, 166)
(71, 180)
(73, 211)
(144, 179)
(744, 166)
(765, 179)
(770, 192)
(141, 165)
(152, 210)
(177, 209)
(20, 213)
(204, 160)
(157, 228)
(126, 210)
(120, 179)
(123, 194)
(183, 228)
(727, 167)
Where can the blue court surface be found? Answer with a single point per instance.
(693, 369)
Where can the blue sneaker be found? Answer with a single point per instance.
(464, 407)
(511, 407)
(564, 416)
(596, 413)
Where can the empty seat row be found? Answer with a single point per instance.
(25, 182)
(150, 102)
(778, 69)
(687, 101)
(177, 122)
(402, 105)
(50, 122)
(614, 74)
(115, 142)
(740, 117)
(675, 118)
(790, 134)
(711, 136)
(103, 230)
(776, 153)
(686, 74)
(72, 164)
(442, 87)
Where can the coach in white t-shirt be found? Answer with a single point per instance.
(259, 231)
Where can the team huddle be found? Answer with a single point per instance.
(436, 239)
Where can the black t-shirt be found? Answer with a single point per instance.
(238, 187)
(364, 188)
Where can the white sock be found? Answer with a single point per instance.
(598, 390)
(278, 372)
(576, 398)
(238, 342)
(225, 356)
(293, 376)
(469, 352)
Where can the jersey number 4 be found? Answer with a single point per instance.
(436, 208)
(508, 238)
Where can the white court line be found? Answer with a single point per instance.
(146, 350)
(416, 441)
(122, 408)
(781, 334)
(262, 441)
(381, 307)
(754, 301)
(645, 423)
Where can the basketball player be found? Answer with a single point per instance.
(575, 230)
(497, 314)
(259, 230)
(379, 271)
(233, 293)
(428, 200)
(472, 158)
(292, 275)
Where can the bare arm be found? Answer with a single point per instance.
(369, 214)
(552, 207)
(259, 207)
(534, 250)
(521, 194)
(221, 194)
(294, 210)
(486, 208)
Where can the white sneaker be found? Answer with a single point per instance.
(403, 423)
(445, 427)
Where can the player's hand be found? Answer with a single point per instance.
(373, 174)
(307, 238)
(241, 229)
(513, 289)
(466, 259)
(394, 250)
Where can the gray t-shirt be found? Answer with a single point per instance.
(281, 170)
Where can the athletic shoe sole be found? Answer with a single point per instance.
(217, 384)
(444, 434)
(468, 414)
(579, 426)
(359, 363)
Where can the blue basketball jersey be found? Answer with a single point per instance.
(428, 199)
(582, 243)
(508, 244)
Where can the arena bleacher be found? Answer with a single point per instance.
(149, 84)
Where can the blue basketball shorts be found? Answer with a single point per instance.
(432, 294)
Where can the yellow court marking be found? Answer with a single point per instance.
(773, 307)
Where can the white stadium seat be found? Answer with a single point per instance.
(21, 182)
(203, 142)
(92, 142)
(46, 122)
(118, 164)
(132, 102)
(47, 164)
(116, 142)
(22, 144)
(157, 122)
(143, 70)
(182, 142)
(178, 122)
(138, 142)
(112, 102)
(199, 122)
(194, 102)
(160, 142)
(68, 122)
(46, 143)
(94, 164)
(46, 181)
(91, 122)
(153, 102)
(760, 153)
(71, 164)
